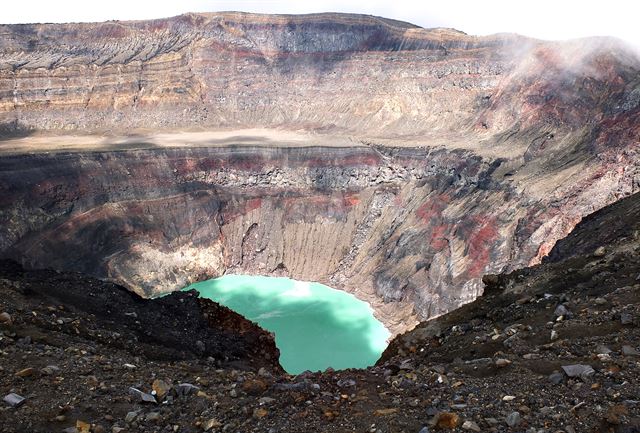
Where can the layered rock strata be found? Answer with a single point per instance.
(427, 159)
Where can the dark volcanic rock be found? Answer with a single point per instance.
(164, 328)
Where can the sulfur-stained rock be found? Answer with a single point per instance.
(385, 412)
(211, 423)
(254, 386)
(83, 427)
(161, 388)
(260, 413)
(446, 420)
(26, 372)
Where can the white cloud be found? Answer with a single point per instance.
(545, 19)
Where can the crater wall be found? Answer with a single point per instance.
(421, 158)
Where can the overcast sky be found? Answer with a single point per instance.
(545, 19)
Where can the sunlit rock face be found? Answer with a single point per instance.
(397, 163)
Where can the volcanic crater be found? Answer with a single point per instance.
(480, 193)
(396, 163)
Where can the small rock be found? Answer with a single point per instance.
(604, 357)
(501, 362)
(554, 335)
(153, 417)
(603, 350)
(260, 413)
(424, 430)
(116, 429)
(432, 411)
(50, 369)
(446, 420)
(556, 378)
(5, 318)
(385, 412)
(512, 341)
(14, 400)
(184, 389)
(83, 427)
(508, 398)
(266, 400)
(160, 387)
(600, 301)
(629, 351)
(439, 369)
(142, 396)
(131, 416)
(129, 366)
(470, 425)
(346, 383)
(599, 252)
(578, 370)
(98, 429)
(254, 387)
(27, 372)
(211, 423)
(626, 319)
(513, 419)
(561, 311)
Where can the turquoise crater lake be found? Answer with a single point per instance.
(315, 326)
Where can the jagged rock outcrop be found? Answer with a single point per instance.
(421, 158)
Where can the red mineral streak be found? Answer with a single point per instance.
(433, 208)
(480, 244)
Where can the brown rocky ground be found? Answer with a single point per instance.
(493, 365)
